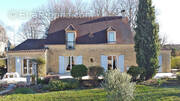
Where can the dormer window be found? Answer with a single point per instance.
(70, 41)
(111, 35)
(70, 37)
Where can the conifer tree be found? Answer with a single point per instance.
(147, 45)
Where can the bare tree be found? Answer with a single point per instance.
(3, 37)
(31, 30)
(38, 25)
(114, 7)
(163, 40)
(131, 8)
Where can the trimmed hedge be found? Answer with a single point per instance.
(78, 71)
(95, 71)
(56, 85)
(135, 72)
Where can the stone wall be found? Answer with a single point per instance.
(87, 51)
(95, 52)
(23, 54)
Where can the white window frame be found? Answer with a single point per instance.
(109, 41)
(28, 68)
(112, 62)
(73, 42)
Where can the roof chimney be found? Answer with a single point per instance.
(123, 12)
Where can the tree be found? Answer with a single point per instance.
(163, 40)
(173, 52)
(147, 44)
(114, 8)
(31, 30)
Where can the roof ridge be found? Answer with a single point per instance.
(83, 17)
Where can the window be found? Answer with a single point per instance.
(91, 60)
(112, 62)
(70, 63)
(111, 37)
(27, 66)
(70, 40)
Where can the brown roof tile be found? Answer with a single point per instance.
(97, 26)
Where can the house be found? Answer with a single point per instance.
(103, 41)
(3, 41)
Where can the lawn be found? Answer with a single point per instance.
(143, 93)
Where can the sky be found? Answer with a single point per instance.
(15, 12)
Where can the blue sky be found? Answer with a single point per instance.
(168, 16)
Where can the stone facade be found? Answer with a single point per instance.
(92, 51)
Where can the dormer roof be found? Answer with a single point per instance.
(110, 29)
(70, 28)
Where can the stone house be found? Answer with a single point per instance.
(101, 41)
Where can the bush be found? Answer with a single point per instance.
(118, 86)
(178, 76)
(56, 85)
(175, 62)
(95, 71)
(78, 71)
(135, 72)
(72, 83)
(46, 80)
(41, 70)
(2, 63)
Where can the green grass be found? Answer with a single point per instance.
(143, 93)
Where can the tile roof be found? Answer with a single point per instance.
(90, 30)
(97, 26)
(30, 44)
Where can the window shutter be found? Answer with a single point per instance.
(66, 61)
(79, 60)
(104, 62)
(61, 65)
(160, 63)
(121, 63)
(18, 65)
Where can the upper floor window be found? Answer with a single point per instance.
(111, 37)
(70, 41)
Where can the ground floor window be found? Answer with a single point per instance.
(70, 60)
(27, 66)
(112, 62)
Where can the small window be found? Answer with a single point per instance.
(111, 37)
(70, 41)
(92, 60)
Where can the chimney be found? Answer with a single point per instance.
(123, 13)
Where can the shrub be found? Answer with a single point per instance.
(95, 71)
(41, 70)
(78, 71)
(175, 62)
(118, 86)
(71, 83)
(56, 85)
(2, 63)
(178, 76)
(135, 72)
